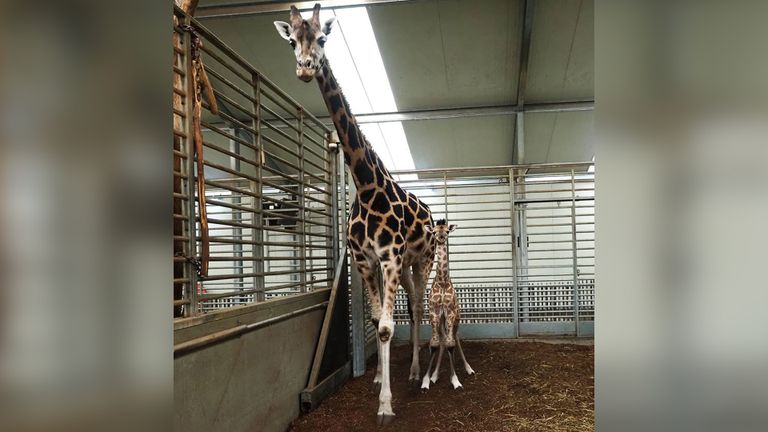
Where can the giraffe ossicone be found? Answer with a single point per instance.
(386, 227)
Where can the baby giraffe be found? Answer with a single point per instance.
(443, 310)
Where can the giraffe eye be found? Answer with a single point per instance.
(293, 43)
(321, 42)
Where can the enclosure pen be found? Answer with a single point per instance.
(271, 191)
(281, 321)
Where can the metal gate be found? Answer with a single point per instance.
(525, 239)
(271, 186)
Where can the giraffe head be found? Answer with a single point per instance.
(307, 39)
(440, 230)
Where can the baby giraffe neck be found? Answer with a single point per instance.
(442, 261)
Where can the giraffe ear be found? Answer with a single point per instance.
(452, 227)
(328, 26)
(283, 29)
(428, 228)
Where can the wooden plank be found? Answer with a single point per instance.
(312, 396)
(321, 343)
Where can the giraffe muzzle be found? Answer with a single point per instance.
(305, 74)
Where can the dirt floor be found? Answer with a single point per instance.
(519, 386)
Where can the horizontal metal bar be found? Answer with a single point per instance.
(551, 200)
(497, 169)
(236, 331)
(466, 112)
(261, 7)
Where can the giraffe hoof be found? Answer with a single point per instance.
(455, 382)
(385, 419)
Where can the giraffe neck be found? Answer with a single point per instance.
(359, 156)
(442, 271)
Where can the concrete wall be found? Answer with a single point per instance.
(251, 382)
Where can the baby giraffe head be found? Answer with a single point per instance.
(440, 231)
(307, 39)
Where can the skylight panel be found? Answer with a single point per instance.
(354, 55)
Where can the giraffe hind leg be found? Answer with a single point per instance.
(414, 312)
(370, 279)
(467, 367)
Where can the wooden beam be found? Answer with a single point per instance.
(340, 278)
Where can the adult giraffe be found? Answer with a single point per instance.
(386, 223)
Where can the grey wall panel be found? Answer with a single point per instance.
(250, 383)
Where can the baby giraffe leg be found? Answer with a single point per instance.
(433, 378)
(425, 381)
(467, 367)
(454, 379)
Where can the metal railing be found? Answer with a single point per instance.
(272, 193)
(525, 239)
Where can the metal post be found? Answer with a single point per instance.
(333, 183)
(258, 189)
(302, 226)
(513, 229)
(356, 286)
(358, 323)
(445, 195)
(237, 232)
(191, 287)
(575, 257)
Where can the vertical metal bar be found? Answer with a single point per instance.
(345, 196)
(258, 189)
(519, 138)
(357, 293)
(191, 288)
(575, 257)
(333, 184)
(302, 204)
(358, 323)
(237, 232)
(445, 194)
(513, 229)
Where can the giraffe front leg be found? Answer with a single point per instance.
(392, 271)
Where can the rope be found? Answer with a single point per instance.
(202, 84)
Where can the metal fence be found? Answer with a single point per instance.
(271, 187)
(276, 209)
(525, 239)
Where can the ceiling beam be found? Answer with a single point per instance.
(480, 111)
(518, 151)
(525, 50)
(452, 113)
(257, 8)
